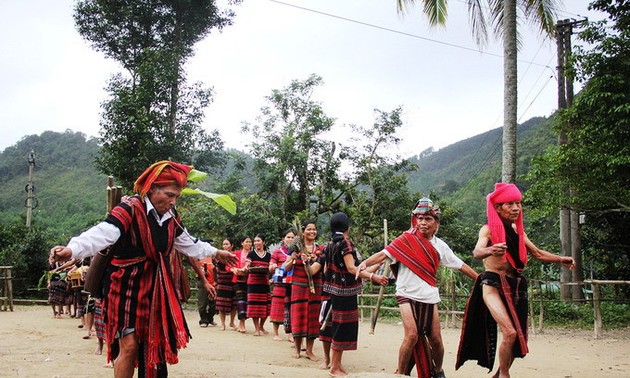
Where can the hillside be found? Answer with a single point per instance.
(461, 173)
(465, 171)
(69, 192)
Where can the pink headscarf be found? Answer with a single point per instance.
(505, 193)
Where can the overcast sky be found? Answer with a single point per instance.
(368, 55)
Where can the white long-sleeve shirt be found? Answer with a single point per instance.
(104, 234)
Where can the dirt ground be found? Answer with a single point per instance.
(34, 344)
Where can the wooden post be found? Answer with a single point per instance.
(542, 308)
(597, 312)
(381, 291)
(532, 320)
(361, 304)
(6, 289)
(110, 193)
(453, 301)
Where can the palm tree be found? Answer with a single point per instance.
(501, 15)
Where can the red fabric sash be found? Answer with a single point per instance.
(417, 253)
(165, 331)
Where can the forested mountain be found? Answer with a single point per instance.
(465, 171)
(68, 191)
(71, 193)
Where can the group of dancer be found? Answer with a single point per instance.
(65, 289)
(308, 289)
(314, 289)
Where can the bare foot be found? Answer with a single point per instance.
(109, 365)
(98, 351)
(264, 331)
(222, 327)
(242, 330)
(312, 357)
(277, 338)
(337, 373)
(325, 365)
(296, 355)
(256, 333)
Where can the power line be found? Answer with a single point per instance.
(398, 32)
(530, 63)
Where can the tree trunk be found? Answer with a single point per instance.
(508, 173)
(176, 49)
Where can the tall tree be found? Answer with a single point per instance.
(502, 16)
(377, 188)
(152, 114)
(293, 163)
(595, 160)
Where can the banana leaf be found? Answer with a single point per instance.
(196, 176)
(222, 200)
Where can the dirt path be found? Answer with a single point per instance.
(33, 344)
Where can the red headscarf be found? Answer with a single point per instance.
(505, 193)
(162, 173)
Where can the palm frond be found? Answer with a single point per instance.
(541, 13)
(478, 22)
(435, 10)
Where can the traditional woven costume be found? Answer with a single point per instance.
(258, 296)
(240, 286)
(415, 262)
(225, 288)
(479, 331)
(341, 314)
(305, 305)
(99, 319)
(57, 289)
(281, 292)
(140, 293)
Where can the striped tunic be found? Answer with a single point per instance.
(140, 292)
(305, 305)
(279, 298)
(225, 288)
(341, 312)
(258, 296)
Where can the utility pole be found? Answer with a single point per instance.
(569, 218)
(31, 201)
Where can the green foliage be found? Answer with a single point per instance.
(465, 172)
(292, 162)
(27, 251)
(566, 314)
(377, 189)
(152, 114)
(615, 315)
(595, 161)
(70, 194)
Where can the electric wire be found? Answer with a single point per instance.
(530, 63)
(454, 45)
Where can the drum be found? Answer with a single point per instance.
(76, 281)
